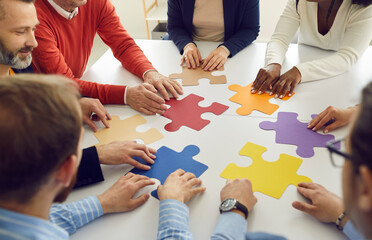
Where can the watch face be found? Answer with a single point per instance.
(228, 204)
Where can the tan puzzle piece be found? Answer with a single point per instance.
(125, 130)
(270, 178)
(191, 77)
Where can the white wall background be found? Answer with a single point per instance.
(132, 16)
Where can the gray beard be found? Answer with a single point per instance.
(10, 59)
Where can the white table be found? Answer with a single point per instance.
(221, 141)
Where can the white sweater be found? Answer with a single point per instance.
(349, 37)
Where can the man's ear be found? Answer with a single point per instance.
(364, 186)
(67, 170)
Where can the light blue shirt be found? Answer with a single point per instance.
(16, 226)
(174, 216)
(74, 215)
(64, 219)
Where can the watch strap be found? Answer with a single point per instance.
(242, 208)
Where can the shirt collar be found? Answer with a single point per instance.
(63, 12)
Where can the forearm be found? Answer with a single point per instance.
(230, 226)
(74, 215)
(350, 231)
(327, 67)
(285, 29)
(173, 221)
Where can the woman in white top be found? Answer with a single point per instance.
(344, 26)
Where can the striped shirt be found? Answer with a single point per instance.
(64, 219)
(73, 216)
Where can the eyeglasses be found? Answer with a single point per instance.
(337, 156)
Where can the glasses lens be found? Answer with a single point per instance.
(338, 159)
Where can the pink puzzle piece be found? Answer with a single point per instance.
(187, 112)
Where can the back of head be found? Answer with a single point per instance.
(361, 134)
(40, 126)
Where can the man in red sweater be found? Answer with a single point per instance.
(65, 35)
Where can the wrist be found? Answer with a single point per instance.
(187, 45)
(341, 221)
(237, 211)
(148, 73)
(104, 204)
(101, 154)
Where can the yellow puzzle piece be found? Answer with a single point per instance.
(251, 101)
(124, 130)
(270, 178)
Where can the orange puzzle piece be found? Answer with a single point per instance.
(251, 101)
(191, 77)
(125, 130)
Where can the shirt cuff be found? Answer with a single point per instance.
(125, 94)
(143, 75)
(230, 226)
(173, 214)
(350, 231)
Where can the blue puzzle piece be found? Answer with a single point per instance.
(168, 161)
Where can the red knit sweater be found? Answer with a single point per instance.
(65, 46)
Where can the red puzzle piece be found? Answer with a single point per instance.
(187, 112)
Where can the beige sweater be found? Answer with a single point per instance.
(208, 21)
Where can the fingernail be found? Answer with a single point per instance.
(281, 96)
(313, 129)
(271, 93)
(152, 161)
(148, 167)
(325, 131)
(260, 92)
(289, 94)
(276, 95)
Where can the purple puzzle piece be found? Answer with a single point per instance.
(291, 131)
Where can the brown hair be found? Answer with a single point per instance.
(2, 11)
(40, 126)
(361, 134)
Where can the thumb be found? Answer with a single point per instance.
(140, 200)
(90, 123)
(303, 207)
(332, 126)
(150, 87)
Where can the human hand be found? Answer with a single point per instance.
(143, 98)
(122, 152)
(90, 106)
(180, 186)
(266, 78)
(286, 83)
(241, 190)
(216, 59)
(119, 197)
(191, 55)
(163, 84)
(340, 117)
(325, 205)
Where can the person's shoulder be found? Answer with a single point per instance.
(357, 11)
(262, 236)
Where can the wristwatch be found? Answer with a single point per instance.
(231, 204)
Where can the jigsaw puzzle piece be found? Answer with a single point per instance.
(168, 161)
(270, 178)
(187, 112)
(191, 77)
(251, 101)
(125, 130)
(291, 131)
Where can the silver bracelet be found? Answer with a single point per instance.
(338, 221)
